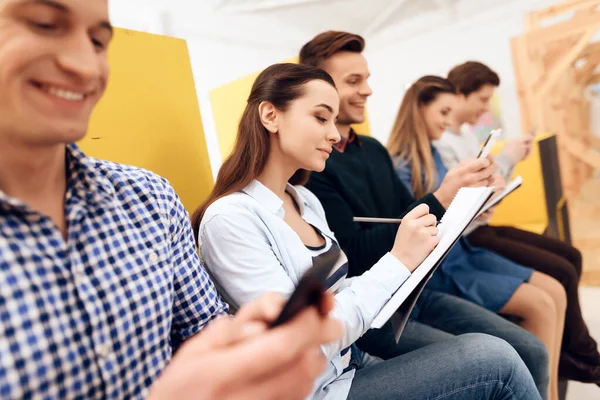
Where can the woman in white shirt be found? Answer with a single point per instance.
(257, 233)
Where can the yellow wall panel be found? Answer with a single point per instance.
(526, 207)
(149, 116)
(228, 103)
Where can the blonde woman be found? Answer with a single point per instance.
(477, 274)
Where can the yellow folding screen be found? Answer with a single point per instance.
(228, 103)
(149, 116)
(526, 207)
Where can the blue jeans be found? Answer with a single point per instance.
(438, 317)
(471, 366)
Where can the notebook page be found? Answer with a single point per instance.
(461, 212)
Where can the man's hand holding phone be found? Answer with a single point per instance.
(241, 358)
(519, 149)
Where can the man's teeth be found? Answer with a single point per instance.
(66, 94)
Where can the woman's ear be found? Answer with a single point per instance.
(268, 116)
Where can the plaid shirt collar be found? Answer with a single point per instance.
(352, 138)
(84, 182)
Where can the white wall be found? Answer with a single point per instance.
(399, 60)
(432, 40)
(226, 40)
(145, 16)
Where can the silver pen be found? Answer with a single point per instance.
(381, 220)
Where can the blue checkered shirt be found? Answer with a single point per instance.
(98, 315)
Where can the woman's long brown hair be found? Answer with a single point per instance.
(409, 138)
(279, 84)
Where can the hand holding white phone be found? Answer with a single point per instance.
(487, 147)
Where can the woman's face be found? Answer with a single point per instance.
(438, 114)
(306, 131)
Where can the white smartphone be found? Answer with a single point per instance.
(489, 143)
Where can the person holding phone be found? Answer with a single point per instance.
(476, 84)
(101, 280)
(476, 274)
(258, 232)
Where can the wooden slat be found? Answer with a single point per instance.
(591, 49)
(589, 21)
(551, 89)
(548, 80)
(590, 278)
(564, 7)
(590, 211)
(582, 152)
(531, 22)
(586, 72)
(585, 10)
(594, 141)
(555, 50)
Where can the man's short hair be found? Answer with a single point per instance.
(326, 44)
(472, 76)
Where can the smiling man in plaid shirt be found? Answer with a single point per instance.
(100, 280)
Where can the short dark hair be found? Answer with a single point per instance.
(326, 44)
(472, 76)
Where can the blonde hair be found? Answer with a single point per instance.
(409, 139)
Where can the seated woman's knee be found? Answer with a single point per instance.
(559, 294)
(540, 307)
(555, 290)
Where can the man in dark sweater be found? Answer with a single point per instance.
(359, 180)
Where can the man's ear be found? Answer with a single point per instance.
(268, 116)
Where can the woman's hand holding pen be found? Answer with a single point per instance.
(417, 236)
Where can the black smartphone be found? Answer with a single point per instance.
(311, 287)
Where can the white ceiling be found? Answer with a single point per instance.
(260, 20)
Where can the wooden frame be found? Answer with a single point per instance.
(554, 63)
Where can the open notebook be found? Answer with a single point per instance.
(511, 187)
(464, 208)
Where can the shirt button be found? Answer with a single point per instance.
(104, 350)
(33, 217)
(80, 277)
(153, 257)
